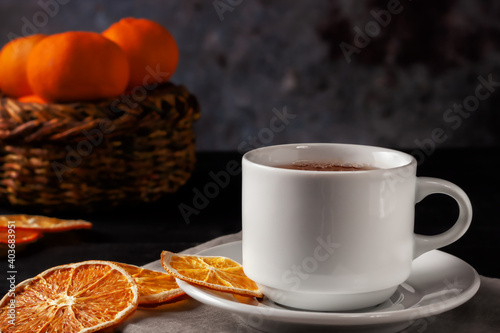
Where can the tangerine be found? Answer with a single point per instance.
(32, 99)
(77, 66)
(13, 59)
(152, 51)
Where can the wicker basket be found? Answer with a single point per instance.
(93, 155)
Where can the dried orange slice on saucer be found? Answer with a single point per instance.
(18, 236)
(217, 273)
(80, 297)
(155, 288)
(42, 223)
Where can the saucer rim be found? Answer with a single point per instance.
(210, 297)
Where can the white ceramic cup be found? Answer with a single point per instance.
(336, 240)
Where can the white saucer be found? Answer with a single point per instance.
(438, 282)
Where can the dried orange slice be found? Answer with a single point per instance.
(217, 273)
(81, 297)
(19, 236)
(155, 288)
(43, 223)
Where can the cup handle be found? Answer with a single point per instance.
(427, 186)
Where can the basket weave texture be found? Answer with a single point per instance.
(91, 155)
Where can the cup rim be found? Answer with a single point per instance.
(246, 158)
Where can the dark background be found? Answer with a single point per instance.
(244, 58)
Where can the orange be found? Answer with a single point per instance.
(77, 66)
(32, 99)
(217, 273)
(155, 288)
(42, 223)
(20, 236)
(81, 297)
(152, 51)
(13, 59)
